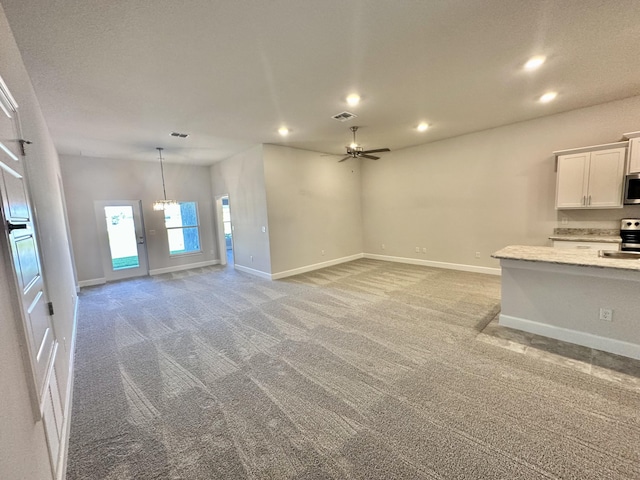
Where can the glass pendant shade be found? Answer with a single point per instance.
(162, 204)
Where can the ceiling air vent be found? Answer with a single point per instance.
(344, 116)
(181, 135)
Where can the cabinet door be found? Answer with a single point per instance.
(634, 155)
(606, 176)
(572, 180)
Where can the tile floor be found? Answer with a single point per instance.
(616, 368)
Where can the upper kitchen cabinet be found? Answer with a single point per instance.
(591, 177)
(633, 165)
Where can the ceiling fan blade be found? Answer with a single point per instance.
(377, 150)
(345, 158)
(370, 157)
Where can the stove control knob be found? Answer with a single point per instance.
(628, 224)
(637, 223)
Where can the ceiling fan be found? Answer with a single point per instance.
(356, 151)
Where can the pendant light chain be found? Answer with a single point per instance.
(163, 204)
(164, 190)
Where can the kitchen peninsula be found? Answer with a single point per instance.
(572, 295)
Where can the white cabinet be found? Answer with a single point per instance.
(634, 154)
(591, 177)
(575, 245)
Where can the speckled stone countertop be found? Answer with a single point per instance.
(585, 258)
(587, 235)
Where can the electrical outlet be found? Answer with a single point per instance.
(477, 254)
(383, 247)
(565, 220)
(417, 249)
(251, 257)
(606, 314)
(322, 251)
(424, 249)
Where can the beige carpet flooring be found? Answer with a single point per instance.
(365, 370)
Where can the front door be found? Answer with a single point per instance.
(32, 300)
(122, 240)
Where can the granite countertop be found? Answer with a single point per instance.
(585, 258)
(587, 235)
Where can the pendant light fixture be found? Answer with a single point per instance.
(162, 204)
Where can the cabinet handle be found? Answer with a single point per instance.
(589, 199)
(583, 247)
(584, 200)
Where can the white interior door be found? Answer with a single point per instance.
(122, 240)
(31, 295)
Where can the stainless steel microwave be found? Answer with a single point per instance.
(632, 189)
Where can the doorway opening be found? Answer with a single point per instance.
(225, 230)
(228, 231)
(121, 234)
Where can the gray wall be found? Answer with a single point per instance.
(242, 178)
(483, 191)
(22, 440)
(88, 179)
(314, 205)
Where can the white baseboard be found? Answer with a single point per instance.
(315, 266)
(178, 268)
(605, 344)
(257, 273)
(92, 282)
(66, 418)
(431, 263)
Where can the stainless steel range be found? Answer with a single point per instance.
(630, 234)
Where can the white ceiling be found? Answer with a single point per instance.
(115, 77)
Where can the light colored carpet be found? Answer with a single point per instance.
(366, 370)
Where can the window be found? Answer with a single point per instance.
(181, 221)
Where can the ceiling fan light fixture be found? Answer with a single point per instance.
(422, 127)
(353, 99)
(357, 151)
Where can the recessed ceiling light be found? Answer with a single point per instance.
(353, 99)
(422, 127)
(534, 62)
(284, 131)
(547, 97)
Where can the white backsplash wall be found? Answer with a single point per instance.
(608, 218)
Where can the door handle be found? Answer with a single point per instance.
(140, 240)
(16, 226)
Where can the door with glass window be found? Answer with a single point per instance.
(122, 240)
